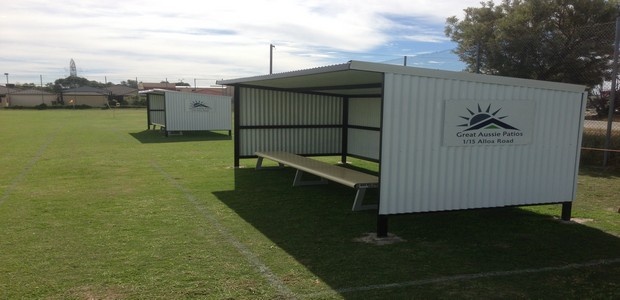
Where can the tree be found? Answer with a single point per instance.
(74, 82)
(556, 40)
(130, 83)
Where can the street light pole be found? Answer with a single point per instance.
(271, 46)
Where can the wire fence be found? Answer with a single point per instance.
(601, 134)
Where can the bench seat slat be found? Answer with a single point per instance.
(338, 174)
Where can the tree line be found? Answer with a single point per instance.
(75, 81)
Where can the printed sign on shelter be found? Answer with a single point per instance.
(198, 105)
(488, 123)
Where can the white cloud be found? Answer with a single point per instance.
(426, 38)
(194, 39)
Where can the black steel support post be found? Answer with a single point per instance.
(236, 122)
(345, 130)
(566, 210)
(382, 225)
(148, 112)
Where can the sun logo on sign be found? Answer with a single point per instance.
(198, 105)
(485, 120)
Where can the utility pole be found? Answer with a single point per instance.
(41, 78)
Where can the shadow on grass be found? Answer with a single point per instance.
(155, 136)
(316, 226)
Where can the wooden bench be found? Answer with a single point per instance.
(351, 178)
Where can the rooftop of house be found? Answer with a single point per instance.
(121, 90)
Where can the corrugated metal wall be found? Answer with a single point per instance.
(364, 112)
(271, 121)
(419, 174)
(212, 113)
(157, 108)
(294, 140)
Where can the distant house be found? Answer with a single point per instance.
(86, 95)
(122, 92)
(4, 95)
(156, 85)
(32, 97)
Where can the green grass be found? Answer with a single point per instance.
(94, 206)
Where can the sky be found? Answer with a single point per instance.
(199, 42)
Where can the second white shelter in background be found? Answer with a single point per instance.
(179, 111)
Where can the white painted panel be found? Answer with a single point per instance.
(364, 143)
(188, 111)
(419, 173)
(365, 112)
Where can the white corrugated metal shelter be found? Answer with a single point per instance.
(444, 140)
(177, 111)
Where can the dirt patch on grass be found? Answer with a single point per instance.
(371, 238)
(576, 220)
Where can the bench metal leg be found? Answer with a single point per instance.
(298, 181)
(359, 199)
(259, 165)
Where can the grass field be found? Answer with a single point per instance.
(94, 206)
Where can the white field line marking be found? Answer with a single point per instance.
(251, 257)
(468, 277)
(27, 168)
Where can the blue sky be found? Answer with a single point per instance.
(210, 40)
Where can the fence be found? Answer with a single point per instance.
(601, 135)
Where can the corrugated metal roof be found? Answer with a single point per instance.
(156, 85)
(357, 77)
(86, 90)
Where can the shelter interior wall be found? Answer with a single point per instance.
(364, 142)
(156, 112)
(286, 121)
